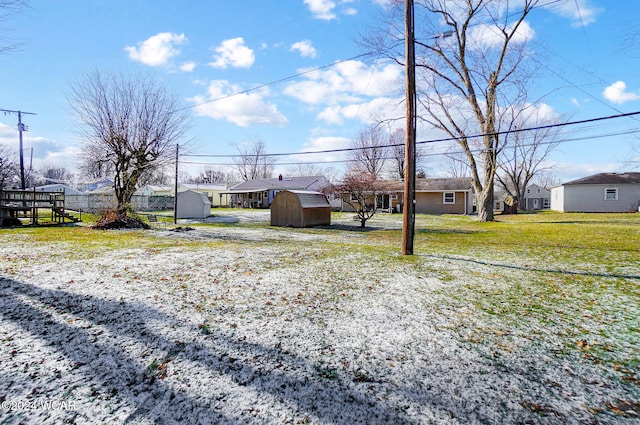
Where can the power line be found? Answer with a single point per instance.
(281, 80)
(434, 154)
(446, 139)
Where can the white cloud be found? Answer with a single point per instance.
(617, 93)
(367, 112)
(322, 9)
(188, 66)
(347, 81)
(46, 152)
(305, 48)
(243, 109)
(350, 11)
(323, 144)
(157, 49)
(234, 53)
(581, 12)
(489, 35)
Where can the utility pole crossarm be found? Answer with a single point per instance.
(21, 128)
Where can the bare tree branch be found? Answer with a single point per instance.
(130, 125)
(253, 162)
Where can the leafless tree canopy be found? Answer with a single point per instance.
(253, 162)
(131, 125)
(8, 167)
(51, 175)
(212, 175)
(523, 153)
(370, 151)
(469, 54)
(397, 142)
(8, 9)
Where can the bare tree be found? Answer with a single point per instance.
(466, 75)
(253, 162)
(92, 166)
(359, 190)
(457, 164)
(164, 175)
(7, 168)
(50, 174)
(304, 169)
(546, 179)
(524, 153)
(8, 9)
(397, 141)
(369, 151)
(131, 124)
(211, 175)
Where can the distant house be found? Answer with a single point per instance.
(213, 191)
(97, 185)
(604, 192)
(535, 198)
(433, 196)
(57, 187)
(193, 205)
(261, 192)
(444, 196)
(297, 208)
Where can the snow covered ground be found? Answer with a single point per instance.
(242, 325)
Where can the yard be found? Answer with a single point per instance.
(529, 319)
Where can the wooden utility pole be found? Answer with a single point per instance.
(409, 210)
(175, 190)
(21, 128)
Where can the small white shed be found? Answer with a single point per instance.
(193, 204)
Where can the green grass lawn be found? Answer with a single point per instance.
(566, 284)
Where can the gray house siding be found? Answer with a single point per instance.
(591, 198)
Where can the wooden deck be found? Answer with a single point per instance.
(16, 205)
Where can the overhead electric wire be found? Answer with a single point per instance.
(442, 153)
(281, 80)
(446, 139)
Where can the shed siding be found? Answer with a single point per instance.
(287, 210)
(557, 198)
(193, 205)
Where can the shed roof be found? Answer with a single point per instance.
(608, 178)
(311, 199)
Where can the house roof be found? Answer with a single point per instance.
(608, 178)
(287, 183)
(310, 199)
(445, 183)
(200, 186)
(439, 184)
(58, 187)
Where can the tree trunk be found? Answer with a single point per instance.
(484, 202)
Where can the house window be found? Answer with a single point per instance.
(528, 191)
(545, 203)
(449, 198)
(353, 197)
(538, 190)
(611, 194)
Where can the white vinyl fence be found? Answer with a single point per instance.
(97, 203)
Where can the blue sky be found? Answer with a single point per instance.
(202, 50)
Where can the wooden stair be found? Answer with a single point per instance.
(60, 212)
